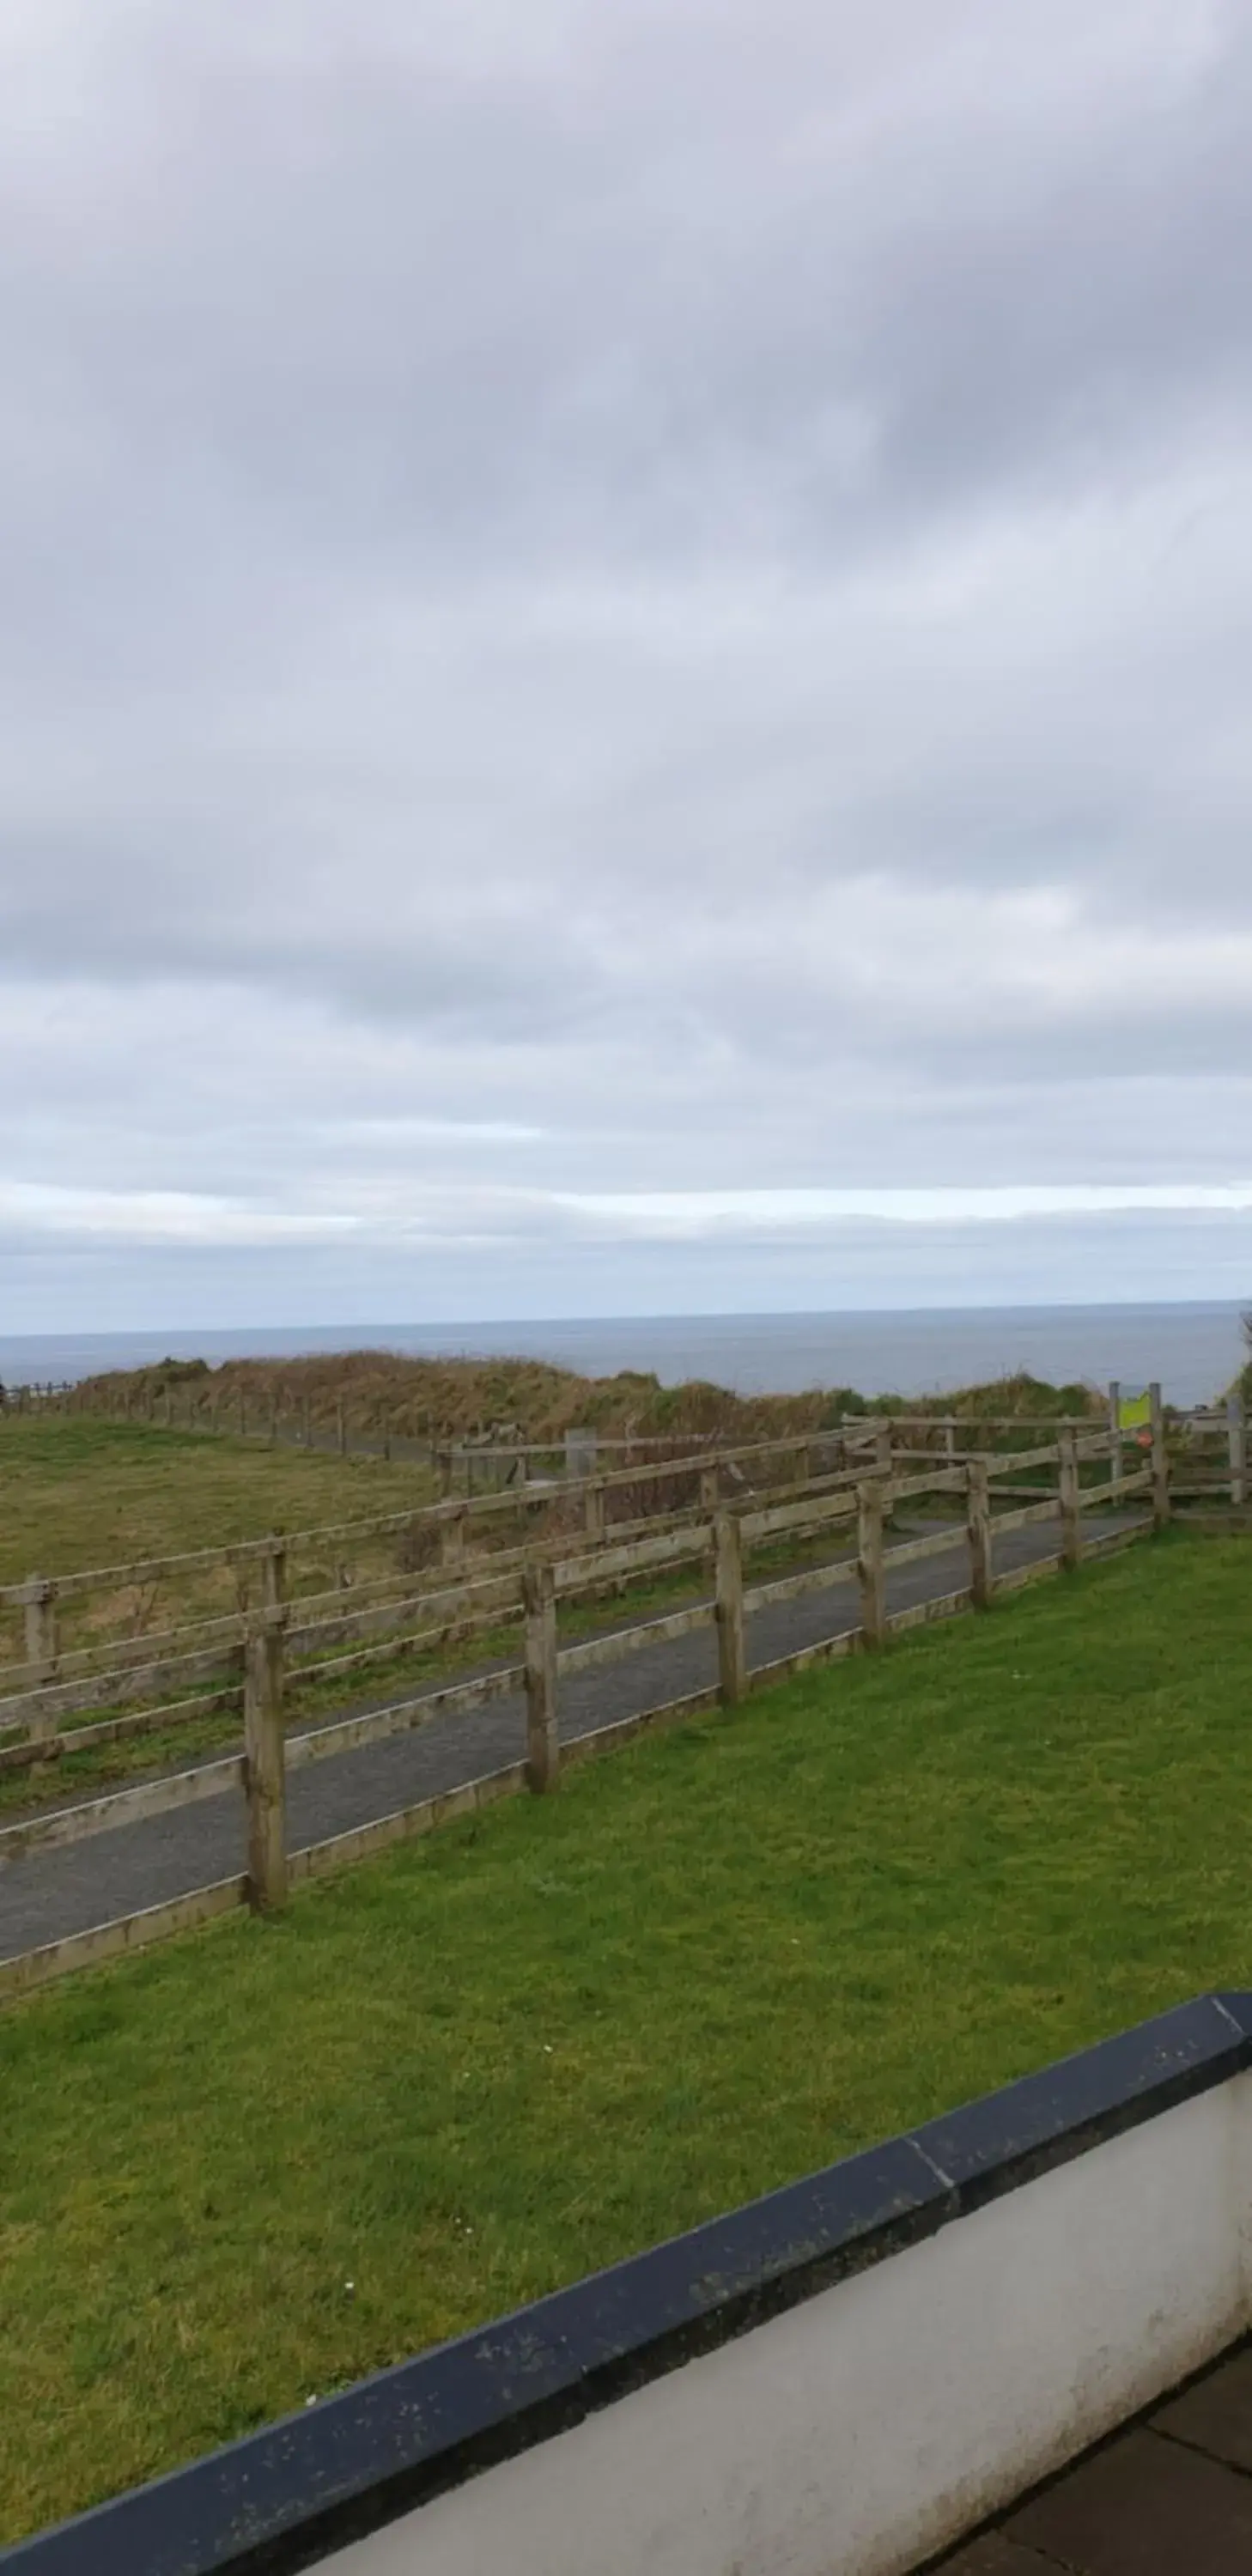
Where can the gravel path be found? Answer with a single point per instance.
(46, 1895)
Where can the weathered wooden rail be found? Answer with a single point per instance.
(53, 1681)
(721, 1537)
(466, 1464)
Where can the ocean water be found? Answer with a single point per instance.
(1194, 1350)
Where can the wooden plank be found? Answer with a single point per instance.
(1022, 1576)
(137, 1681)
(1237, 1441)
(409, 1641)
(913, 1489)
(121, 1807)
(41, 1651)
(827, 1650)
(613, 1649)
(870, 1567)
(732, 1653)
(244, 1552)
(583, 1573)
(1096, 1498)
(264, 1775)
(1031, 1516)
(117, 1655)
(108, 1689)
(1160, 1461)
(118, 1730)
(543, 1741)
(770, 1523)
(915, 1551)
(130, 1932)
(362, 1842)
(793, 1587)
(485, 1601)
(623, 1730)
(926, 1614)
(978, 1524)
(1068, 1504)
(403, 1716)
(1114, 1541)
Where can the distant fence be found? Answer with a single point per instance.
(485, 1464)
(525, 1587)
(466, 1463)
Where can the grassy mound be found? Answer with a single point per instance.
(451, 1398)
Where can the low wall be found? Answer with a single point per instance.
(834, 2381)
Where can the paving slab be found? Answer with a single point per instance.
(1215, 2415)
(1142, 2506)
(994, 2555)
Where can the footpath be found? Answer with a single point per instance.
(44, 1896)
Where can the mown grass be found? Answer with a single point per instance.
(463, 2074)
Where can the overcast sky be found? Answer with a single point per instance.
(625, 656)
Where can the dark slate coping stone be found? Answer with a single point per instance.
(287, 2497)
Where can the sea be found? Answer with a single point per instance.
(1195, 1350)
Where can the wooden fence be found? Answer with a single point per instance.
(718, 1534)
(339, 1631)
(468, 1464)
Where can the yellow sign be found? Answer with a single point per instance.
(1134, 1413)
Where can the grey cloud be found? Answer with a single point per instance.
(590, 572)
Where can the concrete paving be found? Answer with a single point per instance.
(1171, 2496)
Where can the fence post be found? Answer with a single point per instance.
(1115, 1430)
(949, 1442)
(732, 1650)
(593, 1511)
(452, 1538)
(710, 1489)
(265, 1786)
(41, 1648)
(882, 1448)
(979, 1525)
(1160, 1462)
(543, 1741)
(1071, 1517)
(1237, 1438)
(871, 1571)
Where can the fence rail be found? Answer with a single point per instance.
(720, 1534)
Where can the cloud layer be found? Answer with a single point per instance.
(614, 617)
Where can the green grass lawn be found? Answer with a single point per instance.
(463, 2074)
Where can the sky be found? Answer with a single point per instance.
(625, 657)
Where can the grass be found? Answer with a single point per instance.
(78, 1492)
(473, 2070)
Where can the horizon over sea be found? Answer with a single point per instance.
(1194, 1349)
